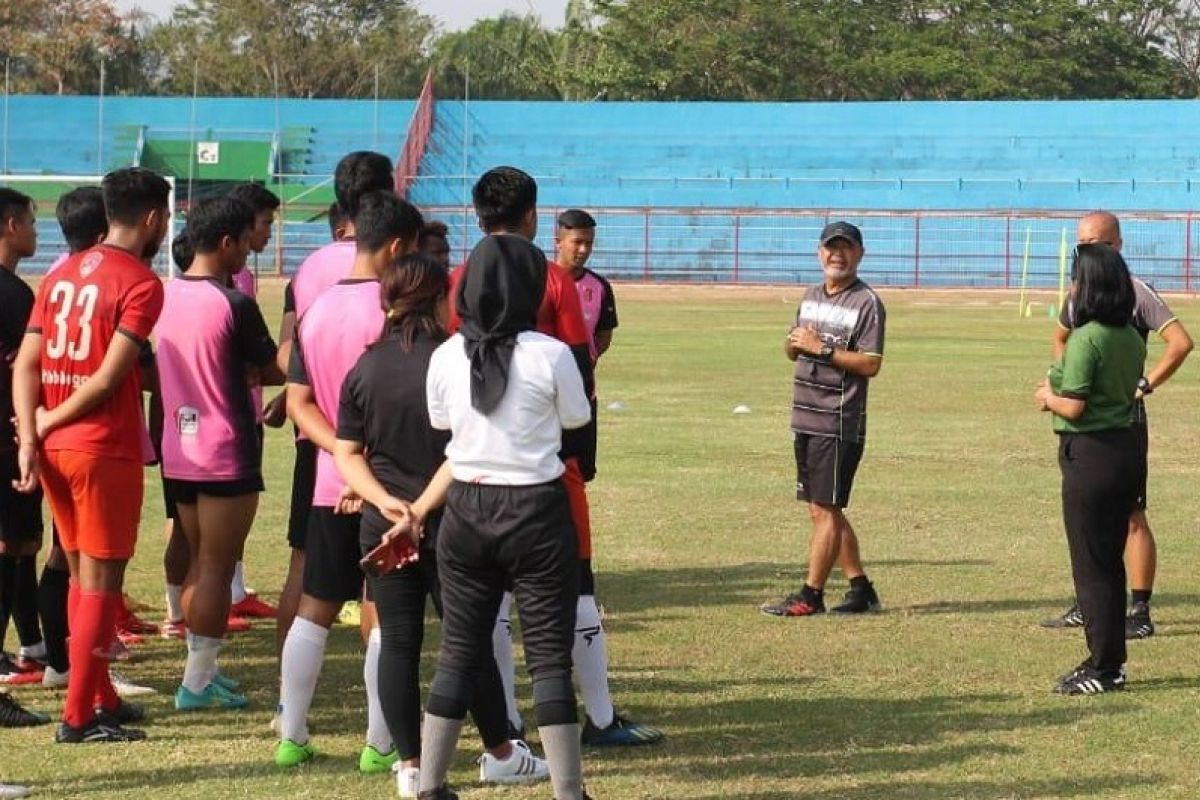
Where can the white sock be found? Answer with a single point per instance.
(378, 735)
(174, 602)
(503, 646)
(303, 655)
(590, 655)
(201, 662)
(237, 586)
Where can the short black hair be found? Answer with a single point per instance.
(384, 216)
(435, 229)
(357, 174)
(12, 203)
(255, 195)
(210, 221)
(574, 219)
(182, 252)
(503, 196)
(337, 218)
(81, 216)
(1103, 287)
(133, 192)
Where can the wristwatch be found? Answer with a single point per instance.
(826, 353)
(1143, 386)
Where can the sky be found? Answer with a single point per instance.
(454, 14)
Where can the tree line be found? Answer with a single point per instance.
(616, 49)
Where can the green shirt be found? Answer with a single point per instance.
(1102, 365)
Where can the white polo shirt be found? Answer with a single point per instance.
(518, 443)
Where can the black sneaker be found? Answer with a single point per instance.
(440, 793)
(124, 714)
(96, 732)
(1084, 680)
(13, 715)
(859, 601)
(621, 732)
(794, 605)
(1071, 618)
(1138, 624)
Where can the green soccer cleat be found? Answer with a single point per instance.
(214, 696)
(372, 762)
(290, 754)
(227, 683)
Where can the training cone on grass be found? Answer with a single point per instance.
(741, 409)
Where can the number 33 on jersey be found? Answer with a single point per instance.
(93, 297)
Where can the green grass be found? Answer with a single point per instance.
(944, 696)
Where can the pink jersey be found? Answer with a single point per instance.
(208, 336)
(598, 305)
(319, 271)
(330, 337)
(245, 282)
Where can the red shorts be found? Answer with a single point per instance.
(96, 502)
(577, 496)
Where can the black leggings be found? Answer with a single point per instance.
(1100, 484)
(489, 534)
(400, 600)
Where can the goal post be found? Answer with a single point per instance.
(45, 191)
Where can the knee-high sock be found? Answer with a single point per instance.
(561, 743)
(174, 603)
(439, 737)
(94, 628)
(502, 646)
(590, 655)
(52, 607)
(303, 656)
(378, 735)
(201, 665)
(8, 590)
(237, 586)
(25, 605)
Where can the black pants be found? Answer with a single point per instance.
(400, 600)
(1099, 488)
(489, 534)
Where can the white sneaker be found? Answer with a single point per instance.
(127, 688)
(520, 767)
(53, 679)
(8, 790)
(408, 779)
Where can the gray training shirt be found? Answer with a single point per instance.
(827, 401)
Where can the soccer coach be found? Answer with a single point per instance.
(837, 344)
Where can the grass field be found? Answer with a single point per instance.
(946, 695)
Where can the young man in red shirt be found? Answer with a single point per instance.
(77, 396)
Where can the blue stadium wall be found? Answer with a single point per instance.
(693, 164)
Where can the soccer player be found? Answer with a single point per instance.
(837, 344)
(333, 331)
(356, 175)
(435, 242)
(246, 603)
(337, 222)
(1149, 314)
(388, 454)
(20, 514)
(505, 393)
(77, 395)
(574, 239)
(208, 337)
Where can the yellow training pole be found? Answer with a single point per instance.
(1062, 269)
(1025, 271)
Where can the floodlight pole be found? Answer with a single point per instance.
(7, 63)
(376, 108)
(100, 123)
(466, 148)
(191, 157)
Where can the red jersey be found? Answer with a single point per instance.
(80, 309)
(560, 315)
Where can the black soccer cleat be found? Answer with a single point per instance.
(1138, 624)
(621, 732)
(97, 732)
(124, 714)
(1071, 618)
(859, 601)
(441, 793)
(14, 715)
(1085, 680)
(794, 605)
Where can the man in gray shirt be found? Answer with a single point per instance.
(837, 344)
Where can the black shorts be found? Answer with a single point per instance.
(187, 492)
(332, 554)
(825, 468)
(20, 514)
(168, 501)
(304, 481)
(587, 578)
(261, 433)
(1141, 435)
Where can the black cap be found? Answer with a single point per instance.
(841, 230)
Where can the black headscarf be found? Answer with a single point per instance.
(498, 298)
